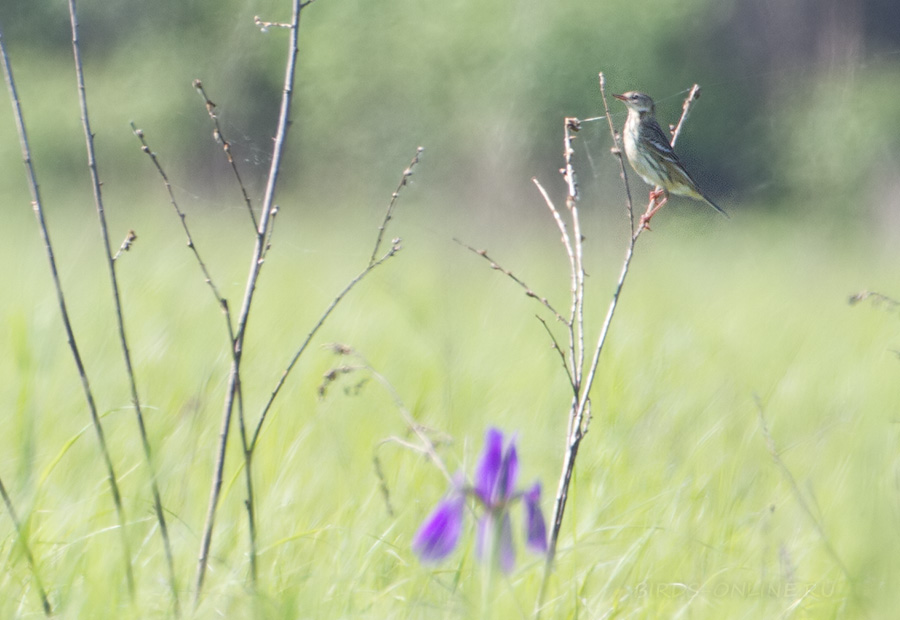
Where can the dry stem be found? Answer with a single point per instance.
(582, 378)
(262, 232)
(37, 206)
(373, 263)
(120, 318)
(45, 602)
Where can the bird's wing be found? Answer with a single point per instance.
(658, 139)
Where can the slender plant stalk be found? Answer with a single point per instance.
(45, 602)
(579, 415)
(249, 445)
(226, 148)
(182, 216)
(426, 445)
(262, 232)
(11, 86)
(798, 493)
(374, 261)
(120, 319)
(37, 206)
(582, 378)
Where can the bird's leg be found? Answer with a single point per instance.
(654, 206)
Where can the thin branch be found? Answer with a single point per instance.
(528, 290)
(182, 216)
(312, 332)
(64, 313)
(372, 264)
(580, 412)
(249, 503)
(795, 489)
(564, 231)
(573, 271)
(692, 97)
(426, 445)
(268, 244)
(617, 151)
(562, 356)
(45, 602)
(601, 340)
(219, 137)
(404, 180)
(129, 240)
(570, 126)
(252, 279)
(117, 300)
(878, 299)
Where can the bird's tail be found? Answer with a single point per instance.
(714, 205)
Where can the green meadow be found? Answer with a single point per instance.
(678, 508)
(741, 459)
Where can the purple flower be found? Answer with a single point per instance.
(535, 528)
(497, 470)
(439, 534)
(494, 488)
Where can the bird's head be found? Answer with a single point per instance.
(639, 102)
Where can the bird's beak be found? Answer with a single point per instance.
(619, 97)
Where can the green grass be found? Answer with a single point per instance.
(677, 509)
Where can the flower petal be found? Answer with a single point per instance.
(496, 544)
(440, 532)
(509, 471)
(506, 552)
(536, 528)
(489, 465)
(484, 535)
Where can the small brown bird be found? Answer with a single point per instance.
(651, 155)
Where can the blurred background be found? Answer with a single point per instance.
(796, 135)
(800, 107)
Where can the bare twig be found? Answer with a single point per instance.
(404, 180)
(45, 602)
(182, 216)
(312, 332)
(263, 240)
(795, 489)
(509, 274)
(382, 484)
(617, 151)
(692, 97)
(262, 232)
(570, 126)
(564, 231)
(63, 309)
(569, 366)
(219, 137)
(249, 502)
(878, 299)
(249, 444)
(372, 264)
(120, 318)
(264, 25)
(129, 240)
(425, 445)
(555, 344)
(582, 379)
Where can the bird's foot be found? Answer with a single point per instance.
(653, 207)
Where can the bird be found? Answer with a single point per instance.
(650, 153)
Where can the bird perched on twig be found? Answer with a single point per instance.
(651, 155)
